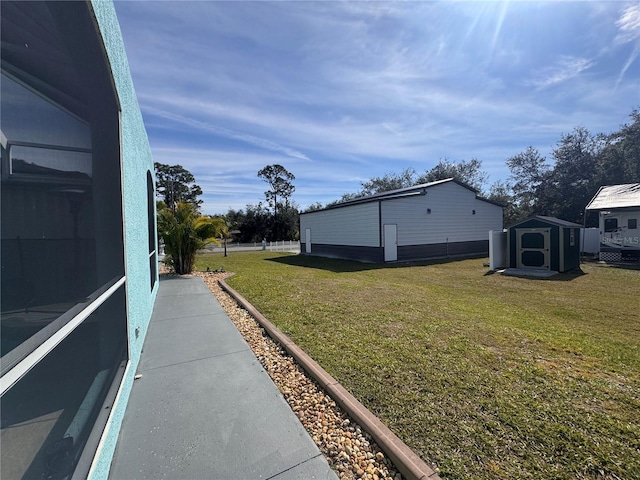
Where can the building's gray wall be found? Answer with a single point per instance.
(451, 229)
(451, 219)
(349, 252)
(440, 250)
(355, 225)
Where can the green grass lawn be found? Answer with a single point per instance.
(487, 376)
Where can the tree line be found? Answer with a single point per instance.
(582, 162)
(183, 230)
(560, 186)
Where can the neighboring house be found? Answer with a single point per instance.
(78, 252)
(619, 216)
(440, 219)
(545, 243)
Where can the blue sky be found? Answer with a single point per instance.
(341, 91)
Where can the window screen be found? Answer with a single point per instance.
(63, 315)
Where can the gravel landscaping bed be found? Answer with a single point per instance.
(350, 451)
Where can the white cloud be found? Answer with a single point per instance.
(629, 31)
(565, 69)
(225, 132)
(629, 24)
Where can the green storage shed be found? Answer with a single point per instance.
(542, 242)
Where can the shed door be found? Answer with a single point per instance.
(390, 243)
(533, 248)
(307, 240)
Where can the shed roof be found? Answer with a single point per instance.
(552, 220)
(616, 196)
(420, 189)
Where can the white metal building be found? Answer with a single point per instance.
(446, 218)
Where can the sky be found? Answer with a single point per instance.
(339, 92)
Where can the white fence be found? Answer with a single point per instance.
(590, 240)
(497, 249)
(279, 246)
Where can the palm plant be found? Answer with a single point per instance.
(184, 232)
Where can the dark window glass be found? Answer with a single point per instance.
(532, 240)
(632, 224)
(48, 225)
(153, 258)
(611, 224)
(44, 122)
(533, 258)
(61, 236)
(48, 415)
(60, 199)
(50, 163)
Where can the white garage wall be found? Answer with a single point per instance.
(354, 225)
(451, 218)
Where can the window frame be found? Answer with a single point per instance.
(152, 230)
(18, 362)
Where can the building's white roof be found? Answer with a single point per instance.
(616, 196)
(403, 192)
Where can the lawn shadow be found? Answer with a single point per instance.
(566, 276)
(559, 277)
(337, 265)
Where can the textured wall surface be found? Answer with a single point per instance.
(136, 161)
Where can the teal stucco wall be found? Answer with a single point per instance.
(136, 162)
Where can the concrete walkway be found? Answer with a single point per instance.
(204, 407)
